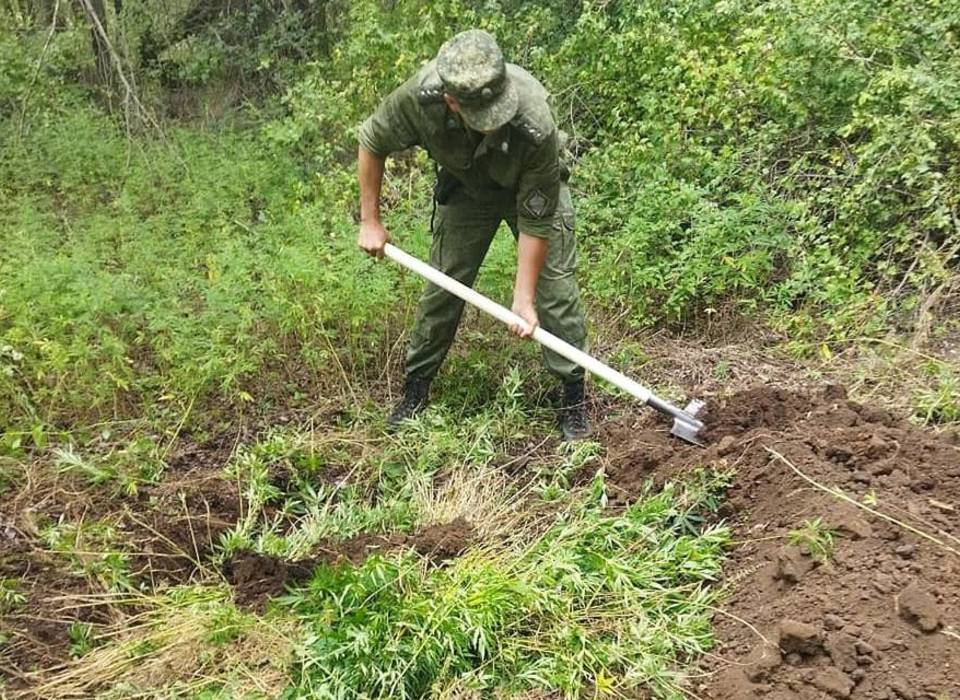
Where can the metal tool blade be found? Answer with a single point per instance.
(687, 427)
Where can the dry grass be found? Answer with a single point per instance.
(168, 643)
(486, 497)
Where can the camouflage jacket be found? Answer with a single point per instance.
(521, 159)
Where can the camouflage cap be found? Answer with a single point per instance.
(473, 71)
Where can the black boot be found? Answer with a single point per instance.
(573, 413)
(414, 400)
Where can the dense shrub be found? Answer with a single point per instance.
(801, 155)
(790, 157)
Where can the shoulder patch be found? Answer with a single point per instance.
(430, 94)
(534, 119)
(529, 128)
(429, 86)
(536, 203)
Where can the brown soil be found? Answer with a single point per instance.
(166, 533)
(878, 620)
(258, 577)
(37, 630)
(174, 537)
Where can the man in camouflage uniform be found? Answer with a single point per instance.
(488, 126)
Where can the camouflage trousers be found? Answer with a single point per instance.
(463, 230)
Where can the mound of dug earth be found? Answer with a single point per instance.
(258, 577)
(878, 619)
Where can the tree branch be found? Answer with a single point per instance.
(131, 101)
(36, 69)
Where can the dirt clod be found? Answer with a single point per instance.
(726, 445)
(833, 682)
(792, 564)
(918, 607)
(444, 541)
(846, 520)
(832, 622)
(763, 659)
(842, 650)
(799, 638)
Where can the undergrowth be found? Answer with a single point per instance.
(591, 598)
(769, 159)
(389, 490)
(557, 591)
(611, 601)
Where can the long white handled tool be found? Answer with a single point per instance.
(685, 424)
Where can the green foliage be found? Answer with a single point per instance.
(790, 159)
(125, 470)
(940, 403)
(291, 504)
(596, 599)
(226, 624)
(166, 282)
(193, 44)
(11, 596)
(815, 537)
(82, 638)
(792, 156)
(11, 474)
(92, 549)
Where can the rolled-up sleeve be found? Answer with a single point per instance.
(539, 189)
(394, 125)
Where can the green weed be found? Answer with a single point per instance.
(82, 638)
(92, 549)
(226, 625)
(555, 477)
(11, 597)
(721, 370)
(814, 536)
(124, 470)
(11, 474)
(381, 493)
(596, 596)
(939, 404)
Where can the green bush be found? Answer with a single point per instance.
(796, 157)
(193, 267)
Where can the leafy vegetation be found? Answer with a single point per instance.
(815, 537)
(609, 601)
(125, 470)
(789, 160)
(81, 638)
(11, 597)
(787, 156)
(939, 403)
(91, 549)
(591, 598)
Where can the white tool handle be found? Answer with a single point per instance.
(545, 338)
